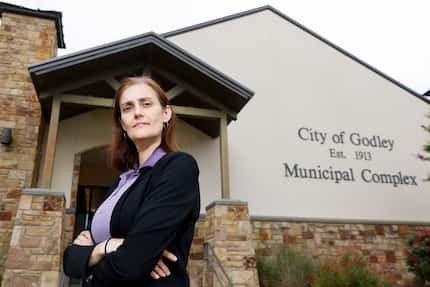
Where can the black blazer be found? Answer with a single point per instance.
(157, 212)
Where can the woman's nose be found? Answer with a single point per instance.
(138, 111)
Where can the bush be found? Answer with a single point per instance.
(288, 268)
(418, 255)
(351, 271)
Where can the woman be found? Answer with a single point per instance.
(152, 207)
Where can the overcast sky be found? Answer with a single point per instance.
(391, 35)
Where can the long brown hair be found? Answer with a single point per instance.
(123, 152)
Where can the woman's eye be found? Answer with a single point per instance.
(126, 109)
(147, 104)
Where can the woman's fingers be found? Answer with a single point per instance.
(154, 275)
(163, 267)
(169, 255)
(159, 271)
(84, 238)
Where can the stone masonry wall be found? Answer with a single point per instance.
(195, 267)
(226, 230)
(381, 244)
(35, 248)
(229, 233)
(23, 40)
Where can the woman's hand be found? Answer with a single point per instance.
(113, 244)
(160, 268)
(84, 239)
(109, 246)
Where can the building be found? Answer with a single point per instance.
(298, 142)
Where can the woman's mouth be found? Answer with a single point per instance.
(139, 124)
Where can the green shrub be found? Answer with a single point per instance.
(350, 271)
(288, 268)
(418, 255)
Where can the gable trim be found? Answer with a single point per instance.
(300, 26)
(72, 59)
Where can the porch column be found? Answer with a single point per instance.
(228, 241)
(225, 180)
(51, 142)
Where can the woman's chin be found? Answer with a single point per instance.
(143, 137)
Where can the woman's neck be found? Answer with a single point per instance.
(145, 149)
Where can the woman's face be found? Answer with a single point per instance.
(142, 115)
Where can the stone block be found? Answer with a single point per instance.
(265, 234)
(196, 255)
(53, 203)
(289, 238)
(344, 234)
(17, 259)
(5, 215)
(236, 237)
(25, 201)
(30, 242)
(49, 279)
(403, 230)
(245, 277)
(237, 213)
(379, 229)
(16, 235)
(219, 210)
(295, 229)
(308, 235)
(390, 256)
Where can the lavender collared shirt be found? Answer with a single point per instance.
(100, 227)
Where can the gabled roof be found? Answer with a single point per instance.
(145, 48)
(300, 26)
(52, 15)
(134, 53)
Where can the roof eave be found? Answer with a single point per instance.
(48, 66)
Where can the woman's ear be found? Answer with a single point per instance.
(167, 113)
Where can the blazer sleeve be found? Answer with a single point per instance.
(76, 257)
(75, 260)
(173, 197)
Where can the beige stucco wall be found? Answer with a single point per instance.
(301, 82)
(92, 129)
